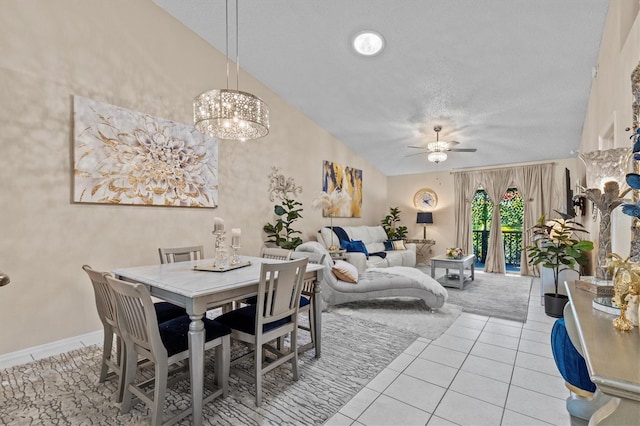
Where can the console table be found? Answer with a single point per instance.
(422, 246)
(613, 359)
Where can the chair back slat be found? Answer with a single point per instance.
(105, 301)
(275, 253)
(181, 254)
(136, 316)
(279, 290)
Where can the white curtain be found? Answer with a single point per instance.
(535, 184)
(465, 188)
(496, 183)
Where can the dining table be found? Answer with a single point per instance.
(199, 290)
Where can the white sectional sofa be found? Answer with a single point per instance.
(373, 238)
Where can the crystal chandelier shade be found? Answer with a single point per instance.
(231, 114)
(436, 157)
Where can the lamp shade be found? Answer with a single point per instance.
(425, 217)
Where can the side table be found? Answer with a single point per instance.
(422, 247)
(460, 264)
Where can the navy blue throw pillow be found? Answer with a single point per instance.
(355, 246)
(388, 245)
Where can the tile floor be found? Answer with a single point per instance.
(481, 371)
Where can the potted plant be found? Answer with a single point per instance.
(558, 249)
(281, 233)
(389, 224)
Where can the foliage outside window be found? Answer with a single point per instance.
(511, 211)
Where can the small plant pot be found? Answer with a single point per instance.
(554, 304)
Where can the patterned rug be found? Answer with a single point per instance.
(64, 389)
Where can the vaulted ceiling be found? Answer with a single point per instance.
(510, 78)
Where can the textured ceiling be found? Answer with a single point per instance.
(508, 77)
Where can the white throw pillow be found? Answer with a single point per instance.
(345, 271)
(398, 245)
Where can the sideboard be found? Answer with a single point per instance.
(613, 359)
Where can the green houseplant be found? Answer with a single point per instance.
(389, 224)
(558, 249)
(281, 233)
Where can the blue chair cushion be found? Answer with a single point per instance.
(175, 333)
(244, 319)
(570, 363)
(166, 311)
(254, 299)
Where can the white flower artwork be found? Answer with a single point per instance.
(127, 157)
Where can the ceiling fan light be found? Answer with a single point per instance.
(436, 157)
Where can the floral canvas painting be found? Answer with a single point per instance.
(127, 157)
(345, 180)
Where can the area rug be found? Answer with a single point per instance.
(64, 389)
(494, 295)
(404, 313)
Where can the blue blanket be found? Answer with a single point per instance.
(342, 234)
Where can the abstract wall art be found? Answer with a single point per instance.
(127, 157)
(344, 179)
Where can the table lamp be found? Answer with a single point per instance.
(424, 218)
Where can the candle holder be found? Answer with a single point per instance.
(235, 258)
(221, 258)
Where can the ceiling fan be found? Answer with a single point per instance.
(437, 151)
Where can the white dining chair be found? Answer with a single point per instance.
(181, 254)
(274, 315)
(308, 292)
(106, 306)
(164, 344)
(275, 253)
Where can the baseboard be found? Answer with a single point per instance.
(49, 349)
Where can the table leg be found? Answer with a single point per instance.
(461, 275)
(317, 315)
(473, 270)
(196, 365)
(433, 268)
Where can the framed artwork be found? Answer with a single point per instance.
(425, 199)
(127, 157)
(344, 180)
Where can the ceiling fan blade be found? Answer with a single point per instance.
(417, 147)
(463, 149)
(418, 153)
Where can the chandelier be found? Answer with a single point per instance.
(231, 114)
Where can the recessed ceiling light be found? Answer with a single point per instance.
(368, 43)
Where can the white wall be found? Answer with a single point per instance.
(134, 55)
(610, 101)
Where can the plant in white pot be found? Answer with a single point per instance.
(558, 249)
